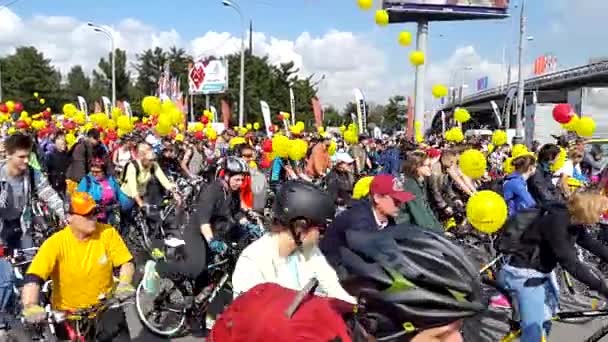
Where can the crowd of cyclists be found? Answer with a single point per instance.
(356, 244)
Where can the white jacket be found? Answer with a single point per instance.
(260, 263)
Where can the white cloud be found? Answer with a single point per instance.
(346, 59)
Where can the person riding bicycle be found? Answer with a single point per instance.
(138, 176)
(551, 239)
(412, 285)
(20, 188)
(106, 192)
(289, 254)
(80, 260)
(215, 221)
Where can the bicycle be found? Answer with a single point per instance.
(167, 314)
(80, 324)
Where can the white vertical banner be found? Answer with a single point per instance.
(214, 111)
(361, 110)
(82, 105)
(128, 110)
(292, 101)
(266, 116)
(107, 106)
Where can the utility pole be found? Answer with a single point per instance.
(521, 85)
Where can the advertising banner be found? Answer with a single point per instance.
(82, 106)
(361, 110)
(208, 77)
(266, 115)
(412, 10)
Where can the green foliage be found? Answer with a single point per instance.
(27, 71)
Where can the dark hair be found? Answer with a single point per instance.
(523, 163)
(548, 153)
(18, 141)
(414, 160)
(448, 153)
(58, 134)
(93, 133)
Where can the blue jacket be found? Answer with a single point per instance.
(358, 218)
(90, 184)
(390, 162)
(516, 193)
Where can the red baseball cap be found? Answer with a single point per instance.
(258, 315)
(387, 185)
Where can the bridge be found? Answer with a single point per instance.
(549, 88)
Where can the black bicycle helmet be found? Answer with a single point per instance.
(235, 165)
(298, 199)
(409, 280)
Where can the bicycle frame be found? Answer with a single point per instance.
(516, 331)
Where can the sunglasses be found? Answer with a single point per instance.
(247, 155)
(92, 214)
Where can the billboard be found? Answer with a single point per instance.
(444, 10)
(208, 77)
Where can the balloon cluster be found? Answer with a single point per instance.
(461, 115)
(499, 137)
(297, 129)
(583, 126)
(454, 135)
(351, 134)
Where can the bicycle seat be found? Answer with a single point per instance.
(174, 242)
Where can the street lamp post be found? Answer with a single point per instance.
(108, 34)
(235, 6)
(521, 84)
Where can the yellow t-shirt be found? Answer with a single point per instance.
(81, 271)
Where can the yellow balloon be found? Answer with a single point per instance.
(36, 94)
(382, 17)
(365, 4)
(151, 105)
(518, 150)
(417, 58)
(256, 125)
(249, 127)
(572, 125)
(507, 166)
(405, 38)
(461, 115)
(10, 105)
(236, 141)
(69, 109)
(490, 148)
(585, 127)
(179, 137)
(439, 91)
(280, 145)
(361, 188)
(454, 135)
(487, 211)
(42, 101)
(297, 149)
(473, 163)
(561, 160)
(499, 137)
(332, 148)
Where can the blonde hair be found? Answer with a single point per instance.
(587, 207)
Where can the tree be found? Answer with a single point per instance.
(102, 79)
(264, 81)
(149, 67)
(332, 117)
(349, 108)
(78, 83)
(179, 61)
(26, 72)
(395, 111)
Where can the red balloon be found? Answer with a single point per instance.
(18, 107)
(21, 124)
(280, 117)
(562, 113)
(46, 114)
(267, 145)
(265, 163)
(199, 135)
(3, 108)
(204, 120)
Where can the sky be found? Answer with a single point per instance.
(323, 37)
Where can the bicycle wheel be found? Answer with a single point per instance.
(598, 335)
(157, 314)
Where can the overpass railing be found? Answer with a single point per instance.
(541, 81)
